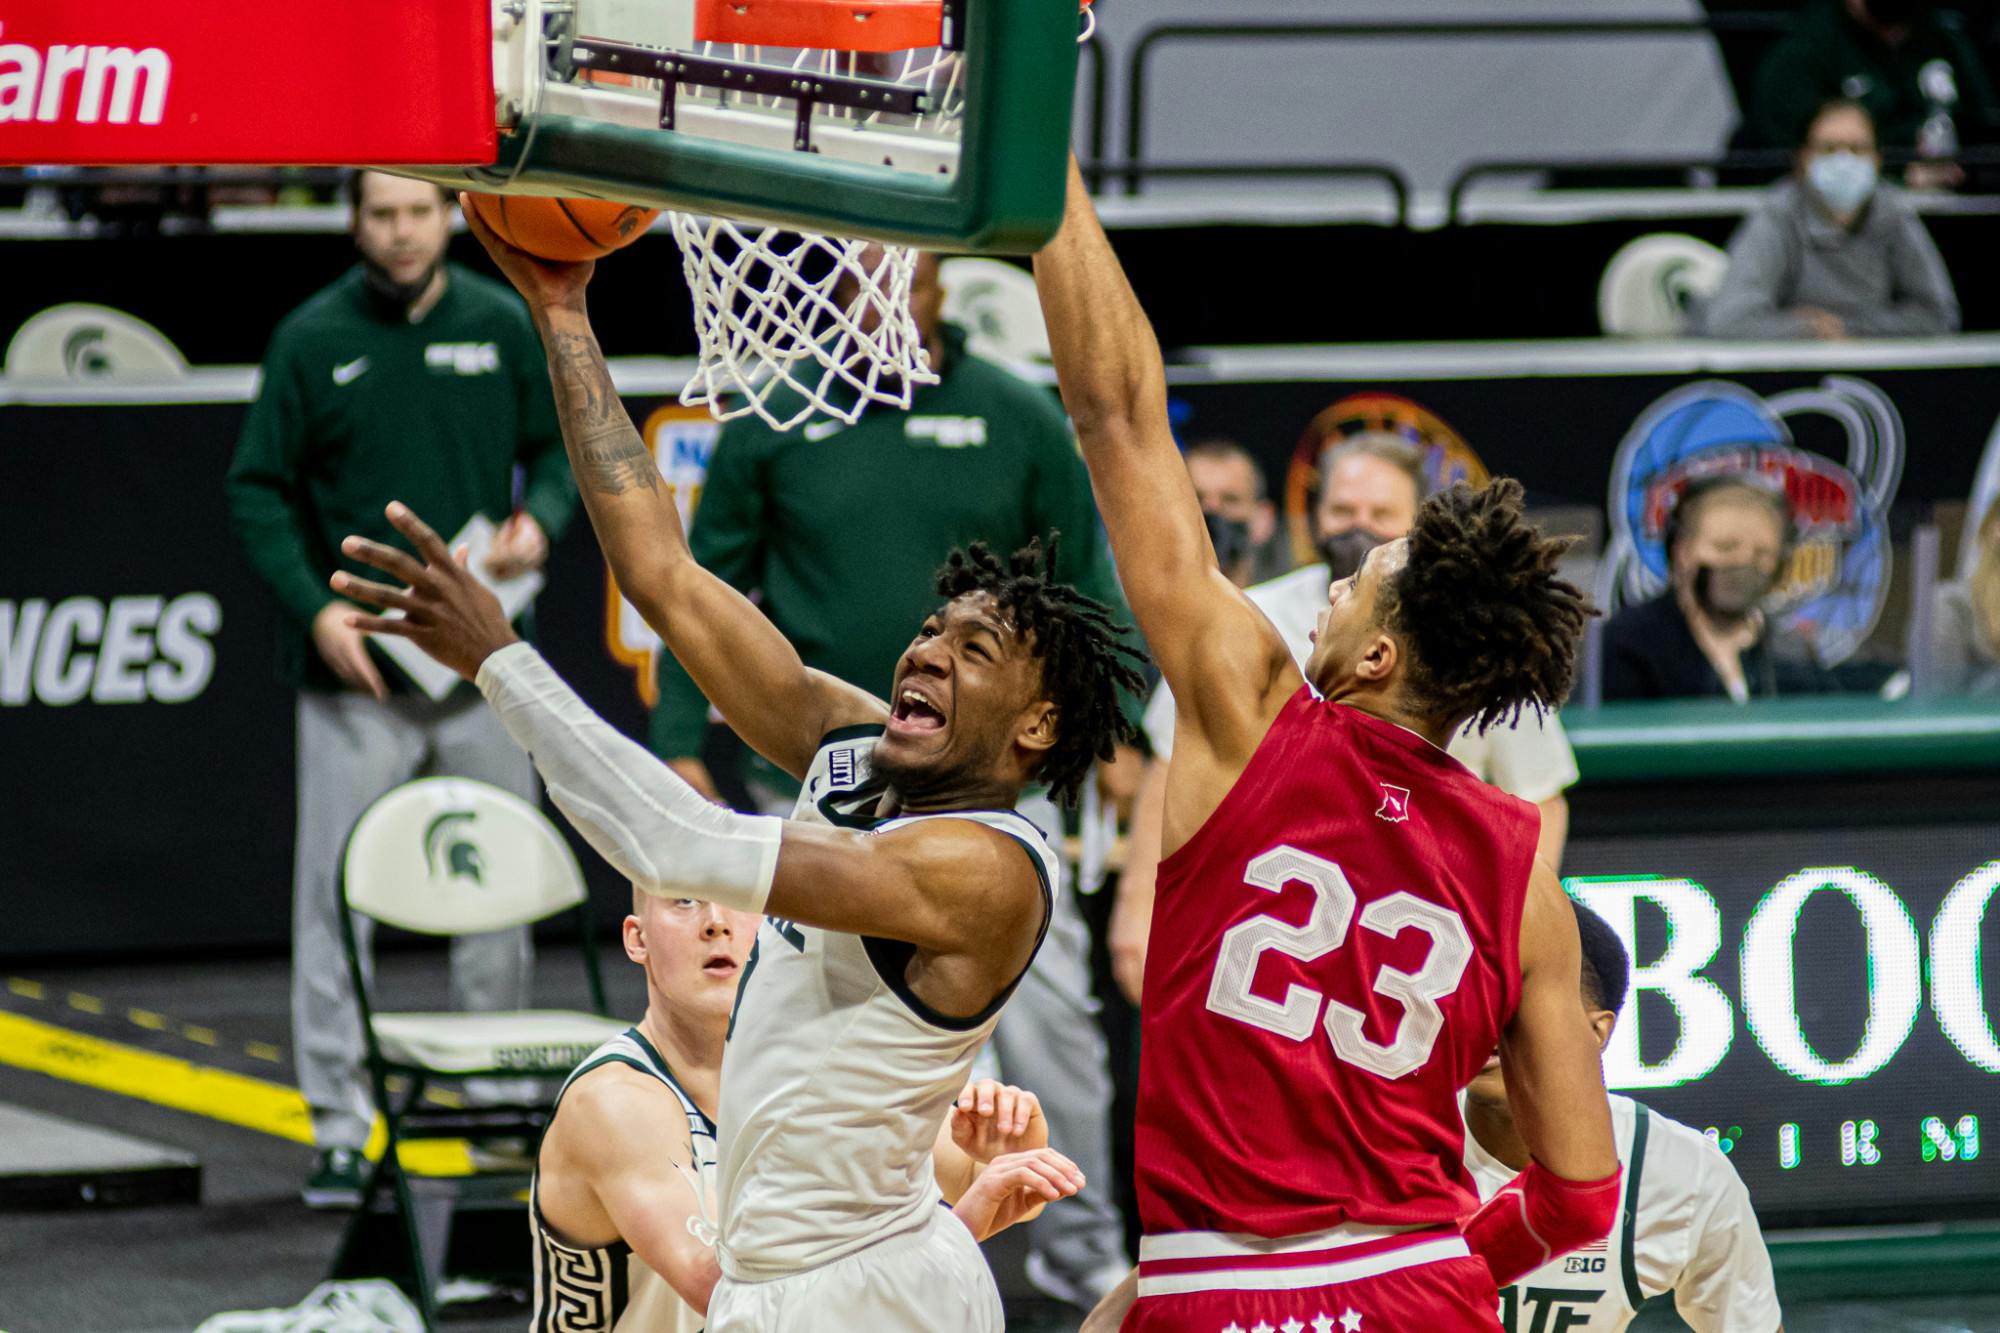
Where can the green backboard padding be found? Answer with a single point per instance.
(1700, 738)
(1006, 197)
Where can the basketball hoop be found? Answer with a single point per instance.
(794, 324)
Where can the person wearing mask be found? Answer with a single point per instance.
(1728, 539)
(1967, 630)
(1911, 67)
(1242, 521)
(414, 379)
(1834, 252)
(1370, 487)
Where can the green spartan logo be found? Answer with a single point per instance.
(448, 852)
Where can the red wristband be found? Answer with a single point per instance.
(1538, 1217)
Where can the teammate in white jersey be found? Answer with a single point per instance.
(621, 1210)
(1685, 1224)
(892, 944)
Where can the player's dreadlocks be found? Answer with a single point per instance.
(1084, 661)
(1493, 628)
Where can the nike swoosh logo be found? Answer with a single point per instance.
(820, 430)
(350, 372)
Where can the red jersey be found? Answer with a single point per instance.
(1333, 957)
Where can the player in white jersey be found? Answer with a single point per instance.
(621, 1210)
(1685, 1224)
(895, 942)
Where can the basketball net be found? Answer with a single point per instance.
(826, 318)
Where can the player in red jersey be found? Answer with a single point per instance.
(1348, 921)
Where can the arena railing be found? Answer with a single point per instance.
(1152, 39)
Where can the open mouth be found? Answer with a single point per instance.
(721, 965)
(915, 715)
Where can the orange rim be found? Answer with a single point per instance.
(822, 25)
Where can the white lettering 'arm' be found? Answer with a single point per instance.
(658, 831)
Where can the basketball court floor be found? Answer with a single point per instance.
(192, 1057)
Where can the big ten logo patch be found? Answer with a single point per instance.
(1835, 450)
(681, 439)
(463, 358)
(1447, 457)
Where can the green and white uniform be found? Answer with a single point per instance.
(609, 1289)
(1685, 1225)
(835, 1082)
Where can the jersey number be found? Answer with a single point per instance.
(1325, 930)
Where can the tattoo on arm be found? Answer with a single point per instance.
(604, 450)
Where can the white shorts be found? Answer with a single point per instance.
(931, 1280)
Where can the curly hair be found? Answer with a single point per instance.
(1491, 627)
(1085, 662)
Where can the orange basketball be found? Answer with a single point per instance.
(563, 229)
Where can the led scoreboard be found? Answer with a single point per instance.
(1821, 1003)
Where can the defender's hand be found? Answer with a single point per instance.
(1016, 1188)
(446, 611)
(993, 1119)
(544, 283)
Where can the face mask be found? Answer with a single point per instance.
(396, 296)
(1730, 592)
(1344, 551)
(1843, 181)
(1229, 536)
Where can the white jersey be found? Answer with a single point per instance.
(1529, 757)
(1685, 1225)
(609, 1289)
(837, 1077)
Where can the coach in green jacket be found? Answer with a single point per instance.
(840, 530)
(407, 379)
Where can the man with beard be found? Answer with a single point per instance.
(1728, 539)
(904, 898)
(407, 377)
(1370, 487)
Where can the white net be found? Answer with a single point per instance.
(793, 325)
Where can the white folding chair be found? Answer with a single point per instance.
(447, 857)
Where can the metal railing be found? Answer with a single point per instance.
(1138, 75)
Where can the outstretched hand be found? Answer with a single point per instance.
(446, 611)
(1015, 1188)
(545, 283)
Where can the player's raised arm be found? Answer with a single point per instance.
(780, 707)
(1213, 647)
(1568, 1196)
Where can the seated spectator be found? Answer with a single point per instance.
(1242, 521)
(1834, 253)
(1914, 69)
(1707, 634)
(1967, 632)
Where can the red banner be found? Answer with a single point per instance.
(251, 81)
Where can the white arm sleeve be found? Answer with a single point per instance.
(658, 831)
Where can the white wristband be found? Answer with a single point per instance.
(639, 815)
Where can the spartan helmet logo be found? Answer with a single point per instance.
(449, 852)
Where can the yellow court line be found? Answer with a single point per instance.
(182, 1085)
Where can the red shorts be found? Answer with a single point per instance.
(1353, 1280)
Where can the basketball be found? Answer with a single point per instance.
(564, 230)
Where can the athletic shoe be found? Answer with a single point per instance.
(336, 1181)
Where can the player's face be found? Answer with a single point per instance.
(693, 952)
(967, 692)
(1349, 644)
(1490, 1084)
(401, 225)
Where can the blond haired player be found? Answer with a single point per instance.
(621, 1210)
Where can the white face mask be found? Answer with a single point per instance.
(1842, 180)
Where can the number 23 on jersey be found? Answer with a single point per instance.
(1325, 930)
